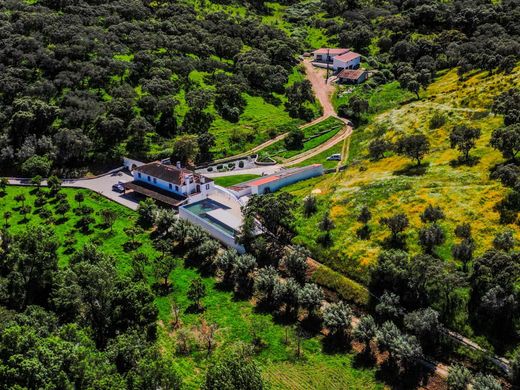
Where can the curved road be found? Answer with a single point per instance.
(323, 92)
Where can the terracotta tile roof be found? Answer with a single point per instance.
(351, 74)
(168, 173)
(348, 56)
(263, 180)
(330, 51)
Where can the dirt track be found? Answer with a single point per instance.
(323, 92)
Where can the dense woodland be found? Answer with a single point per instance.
(85, 82)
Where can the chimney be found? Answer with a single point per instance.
(187, 182)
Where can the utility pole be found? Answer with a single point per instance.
(328, 57)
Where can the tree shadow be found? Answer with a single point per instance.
(69, 251)
(263, 307)
(412, 378)
(130, 246)
(282, 318)
(470, 162)
(161, 289)
(194, 309)
(60, 221)
(333, 345)
(364, 359)
(413, 170)
(312, 324)
(394, 243)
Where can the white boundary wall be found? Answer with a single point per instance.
(226, 239)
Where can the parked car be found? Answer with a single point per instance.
(119, 187)
(334, 157)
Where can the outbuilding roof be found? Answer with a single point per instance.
(349, 56)
(351, 74)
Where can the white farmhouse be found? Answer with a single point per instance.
(169, 184)
(327, 55)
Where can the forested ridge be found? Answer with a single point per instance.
(87, 81)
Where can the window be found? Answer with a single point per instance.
(170, 185)
(139, 175)
(207, 186)
(154, 180)
(149, 178)
(177, 188)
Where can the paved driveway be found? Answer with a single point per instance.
(102, 185)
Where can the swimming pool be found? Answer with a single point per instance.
(205, 206)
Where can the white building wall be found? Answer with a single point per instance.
(205, 189)
(164, 185)
(353, 64)
(288, 180)
(131, 164)
(226, 239)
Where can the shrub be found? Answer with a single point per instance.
(437, 120)
(346, 288)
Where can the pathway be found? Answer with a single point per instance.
(323, 91)
(101, 184)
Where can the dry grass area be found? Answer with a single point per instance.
(466, 193)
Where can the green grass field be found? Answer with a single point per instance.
(329, 127)
(236, 320)
(228, 181)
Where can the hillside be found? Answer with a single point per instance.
(236, 320)
(83, 84)
(391, 185)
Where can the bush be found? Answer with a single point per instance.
(346, 288)
(437, 120)
(36, 166)
(294, 140)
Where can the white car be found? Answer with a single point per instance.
(334, 157)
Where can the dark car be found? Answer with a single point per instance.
(119, 187)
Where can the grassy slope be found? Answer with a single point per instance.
(465, 193)
(236, 320)
(331, 125)
(258, 120)
(380, 98)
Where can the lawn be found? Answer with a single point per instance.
(318, 134)
(228, 181)
(466, 193)
(381, 98)
(260, 121)
(236, 320)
